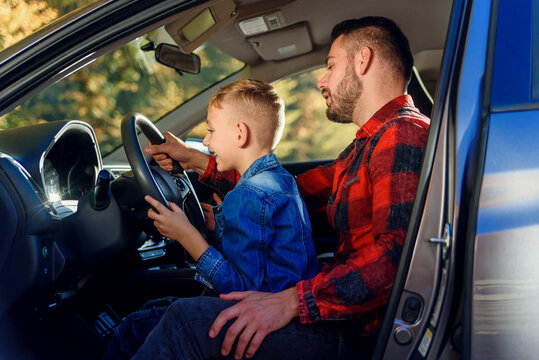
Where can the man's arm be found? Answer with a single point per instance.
(368, 275)
(315, 185)
(222, 182)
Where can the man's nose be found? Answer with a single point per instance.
(322, 83)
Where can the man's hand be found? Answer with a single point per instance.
(257, 314)
(175, 225)
(174, 148)
(208, 212)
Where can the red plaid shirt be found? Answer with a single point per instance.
(368, 193)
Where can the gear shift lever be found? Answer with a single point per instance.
(101, 198)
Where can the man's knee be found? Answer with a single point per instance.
(197, 308)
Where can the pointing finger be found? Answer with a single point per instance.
(156, 204)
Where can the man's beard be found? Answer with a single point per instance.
(344, 100)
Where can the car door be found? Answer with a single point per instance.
(422, 320)
(469, 282)
(502, 276)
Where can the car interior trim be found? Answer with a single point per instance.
(454, 44)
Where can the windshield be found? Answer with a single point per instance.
(125, 80)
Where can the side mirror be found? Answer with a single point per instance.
(172, 56)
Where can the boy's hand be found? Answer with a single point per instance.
(171, 223)
(208, 212)
(174, 148)
(175, 225)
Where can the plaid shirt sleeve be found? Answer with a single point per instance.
(315, 187)
(222, 182)
(377, 211)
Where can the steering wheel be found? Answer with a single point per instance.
(154, 181)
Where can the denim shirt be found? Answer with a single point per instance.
(263, 233)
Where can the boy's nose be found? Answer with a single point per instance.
(205, 141)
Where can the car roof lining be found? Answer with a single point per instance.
(427, 35)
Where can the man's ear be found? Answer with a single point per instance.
(363, 60)
(242, 134)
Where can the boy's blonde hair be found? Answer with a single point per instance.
(258, 105)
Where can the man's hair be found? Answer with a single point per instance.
(382, 35)
(258, 105)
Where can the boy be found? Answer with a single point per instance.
(262, 227)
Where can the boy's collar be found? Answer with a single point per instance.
(263, 163)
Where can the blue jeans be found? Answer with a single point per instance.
(164, 329)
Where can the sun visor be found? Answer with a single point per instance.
(199, 23)
(282, 44)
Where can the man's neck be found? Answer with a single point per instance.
(373, 100)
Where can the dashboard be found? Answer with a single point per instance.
(58, 226)
(45, 170)
(62, 157)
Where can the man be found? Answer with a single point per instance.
(368, 193)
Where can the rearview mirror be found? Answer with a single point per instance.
(171, 56)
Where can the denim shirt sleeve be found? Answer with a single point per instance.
(266, 246)
(208, 264)
(241, 265)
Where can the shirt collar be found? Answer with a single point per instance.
(264, 163)
(385, 113)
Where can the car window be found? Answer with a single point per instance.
(515, 80)
(535, 49)
(308, 134)
(125, 80)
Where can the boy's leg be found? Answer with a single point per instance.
(132, 331)
(182, 333)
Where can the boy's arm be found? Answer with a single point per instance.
(192, 159)
(290, 253)
(174, 224)
(241, 265)
(174, 148)
(264, 241)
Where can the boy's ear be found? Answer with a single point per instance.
(242, 133)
